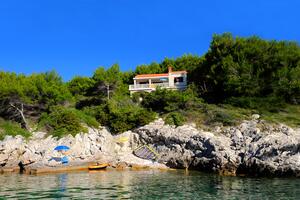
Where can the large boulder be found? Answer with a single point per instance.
(39, 149)
(187, 147)
(253, 147)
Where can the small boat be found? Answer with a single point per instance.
(98, 166)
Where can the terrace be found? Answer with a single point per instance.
(175, 80)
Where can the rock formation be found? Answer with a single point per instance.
(253, 148)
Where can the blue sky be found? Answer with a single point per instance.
(74, 37)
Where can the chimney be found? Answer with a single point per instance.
(169, 69)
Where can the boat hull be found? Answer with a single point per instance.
(98, 167)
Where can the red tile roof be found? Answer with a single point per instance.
(157, 75)
(177, 72)
(150, 75)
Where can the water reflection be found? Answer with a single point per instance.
(145, 185)
(62, 182)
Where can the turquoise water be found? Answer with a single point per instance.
(145, 185)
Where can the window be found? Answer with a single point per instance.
(178, 80)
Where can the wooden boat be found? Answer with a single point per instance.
(98, 166)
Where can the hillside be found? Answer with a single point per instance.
(236, 78)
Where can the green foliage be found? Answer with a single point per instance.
(153, 68)
(125, 115)
(121, 114)
(187, 62)
(288, 115)
(33, 94)
(240, 76)
(110, 82)
(127, 77)
(137, 97)
(100, 112)
(87, 119)
(175, 118)
(62, 121)
(163, 100)
(12, 128)
(219, 116)
(80, 85)
(261, 104)
(289, 84)
(248, 67)
(41, 90)
(110, 76)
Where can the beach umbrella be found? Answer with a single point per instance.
(62, 148)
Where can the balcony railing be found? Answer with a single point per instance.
(155, 85)
(148, 86)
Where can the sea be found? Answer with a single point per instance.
(145, 184)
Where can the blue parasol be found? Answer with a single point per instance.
(62, 147)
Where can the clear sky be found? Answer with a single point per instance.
(74, 37)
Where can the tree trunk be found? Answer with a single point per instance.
(107, 91)
(21, 112)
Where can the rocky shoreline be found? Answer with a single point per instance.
(252, 148)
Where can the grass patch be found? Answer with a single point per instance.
(211, 115)
(224, 114)
(290, 115)
(175, 118)
(12, 128)
(229, 115)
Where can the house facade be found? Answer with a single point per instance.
(174, 80)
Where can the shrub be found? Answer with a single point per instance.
(86, 118)
(12, 128)
(138, 96)
(271, 104)
(175, 118)
(124, 116)
(62, 121)
(219, 116)
(163, 100)
(121, 114)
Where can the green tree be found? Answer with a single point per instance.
(28, 96)
(80, 85)
(107, 80)
(120, 114)
(153, 68)
(245, 67)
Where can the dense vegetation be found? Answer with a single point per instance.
(234, 79)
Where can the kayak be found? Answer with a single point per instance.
(98, 166)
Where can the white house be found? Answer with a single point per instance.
(175, 80)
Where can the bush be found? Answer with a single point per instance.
(86, 118)
(175, 118)
(137, 97)
(12, 128)
(218, 116)
(121, 114)
(163, 100)
(271, 104)
(125, 115)
(62, 121)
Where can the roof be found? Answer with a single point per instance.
(158, 75)
(150, 75)
(177, 72)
